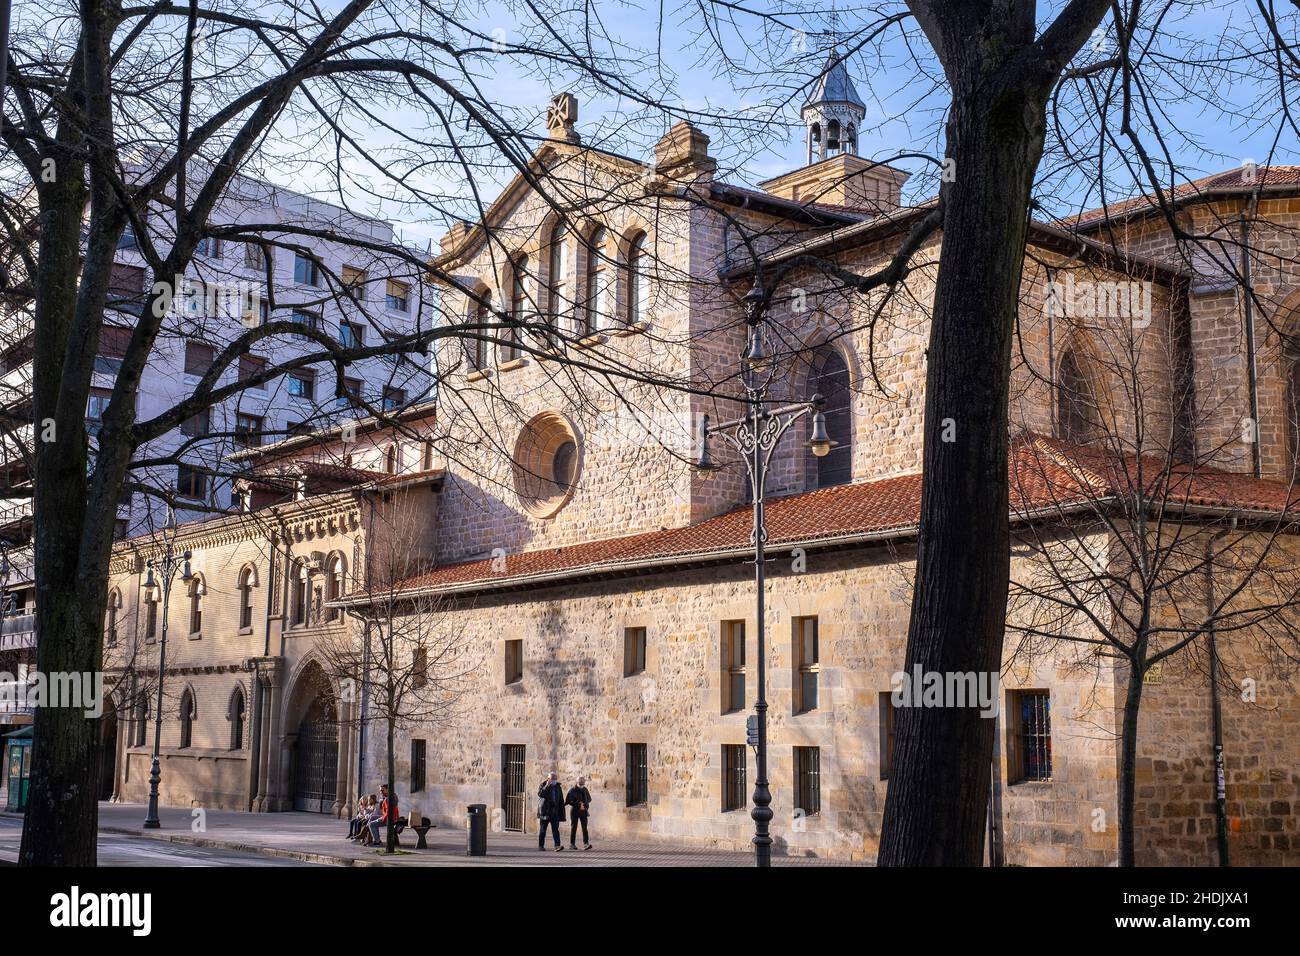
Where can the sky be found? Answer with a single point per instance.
(744, 85)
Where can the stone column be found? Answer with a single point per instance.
(275, 744)
(264, 744)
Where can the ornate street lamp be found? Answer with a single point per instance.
(755, 437)
(166, 570)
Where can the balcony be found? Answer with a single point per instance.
(18, 631)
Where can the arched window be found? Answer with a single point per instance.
(519, 310)
(477, 348)
(301, 592)
(598, 286)
(814, 141)
(830, 379)
(561, 296)
(335, 584)
(638, 280)
(150, 614)
(141, 720)
(111, 615)
(391, 461)
(197, 590)
(237, 719)
(247, 581)
(188, 713)
(1076, 410)
(1293, 415)
(832, 136)
(851, 139)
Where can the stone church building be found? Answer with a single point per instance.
(575, 596)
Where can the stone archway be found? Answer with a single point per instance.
(314, 778)
(107, 755)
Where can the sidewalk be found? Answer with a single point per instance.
(315, 838)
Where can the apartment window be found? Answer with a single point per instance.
(638, 775)
(354, 281)
(306, 269)
(351, 335)
(120, 529)
(113, 342)
(198, 424)
(514, 661)
(1030, 730)
(806, 664)
(418, 772)
(398, 296)
(190, 482)
(394, 397)
(302, 385)
(633, 650)
(808, 780)
(256, 256)
(886, 733)
(308, 320)
(248, 430)
(125, 282)
(296, 428)
(198, 358)
(96, 406)
(209, 247)
(351, 396)
(128, 239)
(251, 365)
(733, 777)
(733, 666)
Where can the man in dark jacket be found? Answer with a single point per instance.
(579, 799)
(550, 811)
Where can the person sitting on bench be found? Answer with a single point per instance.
(387, 812)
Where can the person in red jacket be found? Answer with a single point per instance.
(387, 812)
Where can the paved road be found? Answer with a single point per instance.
(120, 850)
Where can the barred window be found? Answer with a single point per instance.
(733, 777)
(1031, 736)
(638, 775)
(808, 780)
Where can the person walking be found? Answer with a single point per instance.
(579, 798)
(550, 811)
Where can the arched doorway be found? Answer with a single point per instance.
(107, 754)
(316, 756)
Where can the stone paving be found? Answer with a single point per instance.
(314, 838)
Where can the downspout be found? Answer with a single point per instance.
(1216, 709)
(1252, 370)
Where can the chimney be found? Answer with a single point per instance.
(844, 179)
(683, 154)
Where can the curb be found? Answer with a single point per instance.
(324, 859)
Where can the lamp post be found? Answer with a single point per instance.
(167, 569)
(755, 436)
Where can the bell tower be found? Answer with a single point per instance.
(833, 113)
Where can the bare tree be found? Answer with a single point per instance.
(1146, 548)
(400, 662)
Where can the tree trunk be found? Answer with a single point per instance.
(935, 812)
(1128, 762)
(391, 839)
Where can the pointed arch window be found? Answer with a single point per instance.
(814, 141)
(188, 714)
(638, 280)
(335, 584)
(247, 582)
(111, 615)
(1076, 410)
(833, 136)
(141, 721)
(236, 715)
(197, 590)
(391, 460)
(301, 593)
(598, 282)
(1293, 410)
(830, 379)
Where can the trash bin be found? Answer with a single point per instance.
(476, 830)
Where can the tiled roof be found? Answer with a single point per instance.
(1046, 476)
(279, 472)
(1228, 181)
